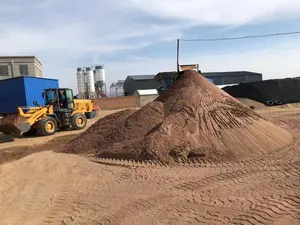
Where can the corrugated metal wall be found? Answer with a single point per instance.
(11, 95)
(34, 88)
(223, 80)
(22, 91)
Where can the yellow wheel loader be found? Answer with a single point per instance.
(61, 112)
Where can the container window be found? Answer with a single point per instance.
(23, 70)
(4, 71)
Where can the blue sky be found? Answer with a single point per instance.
(139, 36)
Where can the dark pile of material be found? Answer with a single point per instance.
(270, 92)
(192, 119)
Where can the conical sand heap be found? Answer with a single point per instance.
(192, 119)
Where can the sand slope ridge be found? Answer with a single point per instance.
(192, 119)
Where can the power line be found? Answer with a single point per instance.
(243, 37)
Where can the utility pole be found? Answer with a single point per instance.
(178, 56)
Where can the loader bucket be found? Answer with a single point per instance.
(14, 125)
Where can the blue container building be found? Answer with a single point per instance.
(23, 91)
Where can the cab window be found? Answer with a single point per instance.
(50, 97)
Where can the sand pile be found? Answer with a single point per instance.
(118, 134)
(191, 119)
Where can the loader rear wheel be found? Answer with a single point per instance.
(78, 121)
(47, 126)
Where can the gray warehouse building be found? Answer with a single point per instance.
(234, 77)
(16, 66)
(143, 82)
(139, 82)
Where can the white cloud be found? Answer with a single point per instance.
(280, 62)
(8, 8)
(66, 38)
(68, 34)
(219, 12)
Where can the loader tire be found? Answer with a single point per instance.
(47, 126)
(78, 121)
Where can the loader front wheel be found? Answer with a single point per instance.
(78, 121)
(47, 126)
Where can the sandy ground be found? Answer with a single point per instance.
(41, 140)
(52, 188)
(260, 106)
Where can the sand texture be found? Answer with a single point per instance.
(38, 186)
(192, 119)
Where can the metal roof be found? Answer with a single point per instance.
(162, 75)
(225, 85)
(142, 77)
(210, 74)
(147, 92)
(28, 77)
(229, 73)
(120, 83)
(20, 57)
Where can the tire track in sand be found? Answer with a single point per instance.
(244, 176)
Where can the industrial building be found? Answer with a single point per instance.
(23, 91)
(16, 66)
(233, 77)
(144, 82)
(146, 96)
(117, 89)
(112, 90)
(223, 78)
(165, 79)
(139, 82)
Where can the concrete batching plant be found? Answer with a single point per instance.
(99, 75)
(81, 84)
(91, 83)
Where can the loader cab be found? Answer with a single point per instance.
(61, 98)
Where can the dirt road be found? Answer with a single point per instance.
(51, 188)
(41, 140)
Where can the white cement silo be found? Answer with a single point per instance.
(81, 83)
(90, 82)
(102, 74)
(97, 74)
